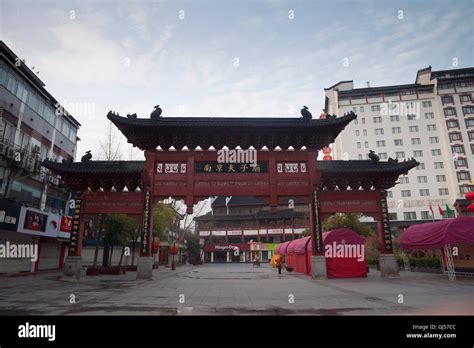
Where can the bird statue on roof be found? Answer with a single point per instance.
(132, 116)
(87, 157)
(305, 113)
(373, 156)
(392, 161)
(156, 113)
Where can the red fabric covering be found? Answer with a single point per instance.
(436, 235)
(280, 249)
(298, 254)
(338, 267)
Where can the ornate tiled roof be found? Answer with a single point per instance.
(149, 133)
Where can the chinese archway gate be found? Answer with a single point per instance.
(286, 168)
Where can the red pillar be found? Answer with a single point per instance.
(61, 256)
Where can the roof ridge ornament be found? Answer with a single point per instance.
(87, 157)
(305, 113)
(374, 157)
(156, 113)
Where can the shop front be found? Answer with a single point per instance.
(226, 253)
(263, 250)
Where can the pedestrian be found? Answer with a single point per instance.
(278, 262)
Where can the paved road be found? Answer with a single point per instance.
(237, 289)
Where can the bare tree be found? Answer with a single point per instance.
(111, 144)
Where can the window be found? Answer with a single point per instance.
(455, 136)
(414, 129)
(450, 112)
(422, 179)
(425, 215)
(447, 99)
(429, 115)
(394, 118)
(465, 84)
(438, 165)
(389, 194)
(400, 154)
(460, 162)
(463, 176)
(356, 121)
(417, 153)
(421, 166)
(361, 109)
(436, 152)
(392, 216)
(404, 180)
(411, 117)
(424, 192)
(426, 104)
(398, 142)
(470, 123)
(382, 155)
(377, 119)
(457, 149)
(445, 85)
(409, 215)
(470, 135)
(360, 156)
(465, 98)
(443, 191)
(375, 107)
(440, 178)
(434, 140)
(396, 130)
(358, 145)
(364, 132)
(12, 84)
(415, 141)
(366, 144)
(452, 124)
(357, 133)
(431, 127)
(354, 109)
(406, 193)
(363, 120)
(380, 143)
(378, 131)
(468, 109)
(465, 189)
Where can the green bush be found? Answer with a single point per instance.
(372, 261)
(428, 261)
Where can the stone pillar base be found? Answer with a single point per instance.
(318, 266)
(144, 267)
(388, 265)
(72, 267)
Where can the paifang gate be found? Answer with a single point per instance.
(286, 168)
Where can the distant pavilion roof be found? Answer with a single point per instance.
(353, 174)
(148, 133)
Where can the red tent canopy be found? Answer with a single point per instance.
(436, 235)
(280, 249)
(298, 246)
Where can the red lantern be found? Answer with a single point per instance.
(470, 196)
(327, 158)
(470, 208)
(326, 150)
(323, 116)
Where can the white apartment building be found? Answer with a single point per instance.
(431, 120)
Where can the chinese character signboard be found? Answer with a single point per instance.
(317, 226)
(230, 168)
(75, 230)
(384, 220)
(146, 224)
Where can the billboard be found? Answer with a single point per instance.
(9, 214)
(38, 222)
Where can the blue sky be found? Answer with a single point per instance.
(128, 56)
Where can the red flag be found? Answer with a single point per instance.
(431, 210)
(441, 211)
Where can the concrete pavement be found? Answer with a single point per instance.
(234, 289)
